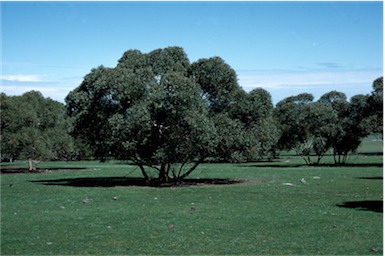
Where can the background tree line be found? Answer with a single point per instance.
(36, 128)
(163, 112)
(332, 122)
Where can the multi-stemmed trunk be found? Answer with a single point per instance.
(169, 172)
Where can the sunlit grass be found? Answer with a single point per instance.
(337, 211)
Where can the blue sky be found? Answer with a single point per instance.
(284, 47)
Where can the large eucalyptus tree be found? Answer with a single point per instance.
(159, 111)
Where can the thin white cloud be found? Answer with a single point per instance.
(285, 83)
(23, 78)
(56, 89)
(57, 93)
(275, 79)
(329, 64)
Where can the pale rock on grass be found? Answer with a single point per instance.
(87, 200)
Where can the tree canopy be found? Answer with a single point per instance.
(160, 111)
(374, 107)
(304, 126)
(168, 115)
(331, 123)
(34, 127)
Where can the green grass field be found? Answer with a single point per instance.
(98, 210)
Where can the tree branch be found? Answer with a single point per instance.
(193, 167)
(138, 162)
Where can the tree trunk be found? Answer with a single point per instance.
(144, 173)
(30, 165)
(163, 174)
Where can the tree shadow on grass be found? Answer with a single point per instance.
(369, 205)
(371, 178)
(128, 181)
(288, 165)
(273, 165)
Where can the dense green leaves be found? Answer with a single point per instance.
(160, 111)
(33, 127)
(255, 112)
(218, 83)
(331, 123)
(373, 121)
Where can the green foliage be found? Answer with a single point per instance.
(159, 110)
(218, 82)
(233, 139)
(34, 127)
(312, 128)
(290, 115)
(373, 114)
(145, 109)
(346, 133)
(303, 125)
(255, 112)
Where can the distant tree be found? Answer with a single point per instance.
(34, 128)
(291, 126)
(373, 120)
(159, 111)
(305, 126)
(319, 120)
(255, 112)
(346, 131)
(332, 122)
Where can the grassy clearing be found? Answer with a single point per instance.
(338, 211)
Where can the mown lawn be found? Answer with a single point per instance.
(98, 210)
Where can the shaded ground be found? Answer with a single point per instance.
(295, 165)
(127, 181)
(371, 178)
(369, 205)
